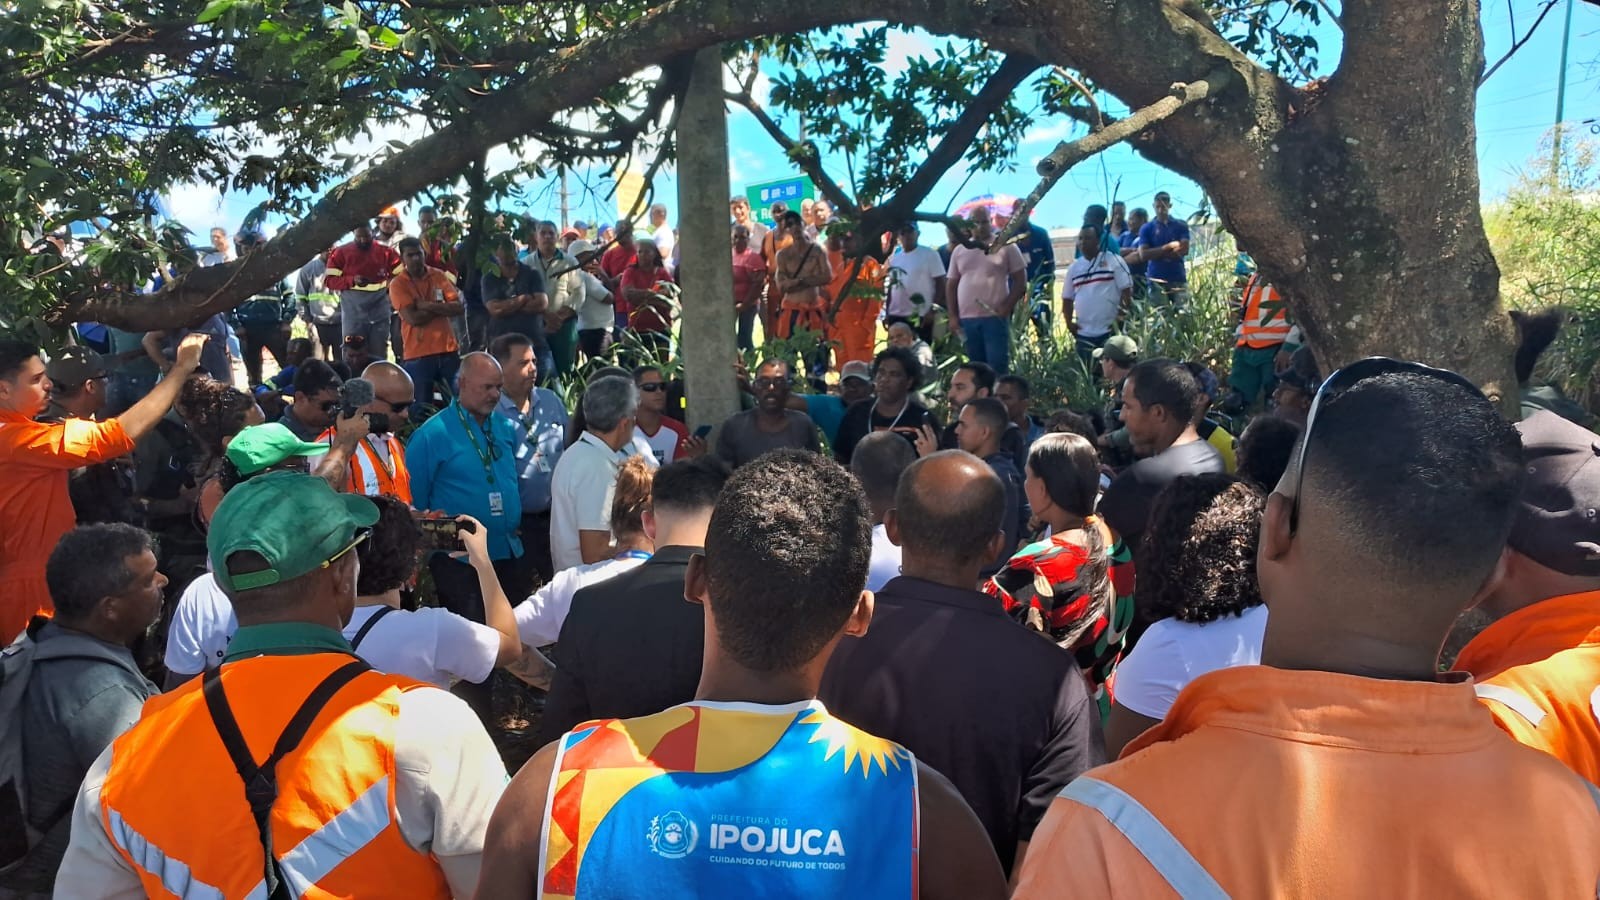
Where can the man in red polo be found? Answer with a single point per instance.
(36, 459)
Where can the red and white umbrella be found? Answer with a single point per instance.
(998, 205)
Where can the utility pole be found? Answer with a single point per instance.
(1561, 100)
(565, 201)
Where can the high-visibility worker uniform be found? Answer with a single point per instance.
(1538, 672)
(1265, 782)
(1264, 329)
(372, 475)
(36, 459)
(328, 802)
(713, 799)
(855, 325)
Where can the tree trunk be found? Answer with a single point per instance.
(705, 272)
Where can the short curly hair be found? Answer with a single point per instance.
(215, 411)
(389, 556)
(1199, 557)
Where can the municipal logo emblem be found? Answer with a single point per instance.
(672, 835)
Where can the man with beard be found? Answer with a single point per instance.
(771, 425)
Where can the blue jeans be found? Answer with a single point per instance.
(988, 340)
(426, 371)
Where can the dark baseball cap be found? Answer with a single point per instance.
(296, 522)
(1558, 519)
(75, 365)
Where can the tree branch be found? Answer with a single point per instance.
(803, 155)
(1068, 154)
(1517, 44)
(994, 94)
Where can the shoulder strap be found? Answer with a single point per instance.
(261, 782)
(355, 644)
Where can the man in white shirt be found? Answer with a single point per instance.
(1097, 290)
(581, 488)
(878, 462)
(916, 283)
(666, 240)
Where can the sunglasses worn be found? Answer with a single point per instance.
(398, 408)
(361, 535)
(652, 388)
(1343, 380)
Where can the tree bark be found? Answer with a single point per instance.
(706, 273)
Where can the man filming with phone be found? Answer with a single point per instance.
(364, 454)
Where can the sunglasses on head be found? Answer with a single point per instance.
(1344, 379)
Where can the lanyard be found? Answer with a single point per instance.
(632, 554)
(487, 457)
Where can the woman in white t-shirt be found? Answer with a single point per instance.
(1197, 575)
(429, 644)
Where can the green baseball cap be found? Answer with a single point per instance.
(1119, 348)
(295, 521)
(261, 447)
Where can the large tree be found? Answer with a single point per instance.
(1357, 193)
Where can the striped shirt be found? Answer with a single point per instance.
(1094, 288)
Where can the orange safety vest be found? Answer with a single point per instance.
(175, 805)
(1266, 316)
(368, 474)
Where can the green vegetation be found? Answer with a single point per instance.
(1546, 238)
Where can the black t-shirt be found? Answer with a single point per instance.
(863, 419)
(1126, 504)
(527, 281)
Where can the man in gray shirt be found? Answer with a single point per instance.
(85, 689)
(771, 425)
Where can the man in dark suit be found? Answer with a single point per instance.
(631, 645)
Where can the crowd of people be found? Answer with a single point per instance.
(887, 632)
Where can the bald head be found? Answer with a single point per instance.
(948, 506)
(480, 383)
(392, 391)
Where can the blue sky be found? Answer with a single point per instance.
(1516, 110)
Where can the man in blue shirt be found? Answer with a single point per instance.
(463, 462)
(1163, 243)
(540, 422)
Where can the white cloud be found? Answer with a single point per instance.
(903, 46)
(197, 206)
(1052, 133)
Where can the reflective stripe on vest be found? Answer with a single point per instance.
(369, 476)
(356, 826)
(308, 863)
(1254, 329)
(173, 873)
(1512, 700)
(1148, 836)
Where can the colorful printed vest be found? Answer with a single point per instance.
(730, 800)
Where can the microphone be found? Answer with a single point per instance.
(356, 393)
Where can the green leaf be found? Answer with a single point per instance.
(214, 11)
